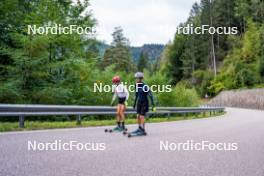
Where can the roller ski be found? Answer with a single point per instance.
(138, 132)
(116, 129)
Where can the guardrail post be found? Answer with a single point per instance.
(21, 121)
(79, 119)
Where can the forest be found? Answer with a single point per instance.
(212, 63)
(61, 69)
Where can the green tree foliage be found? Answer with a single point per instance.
(242, 66)
(143, 62)
(238, 58)
(45, 68)
(261, 67)
(180, 96)
(174, 66)
(118, 54)
(64, 69)
(261, 60)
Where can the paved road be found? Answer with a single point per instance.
(142, 155)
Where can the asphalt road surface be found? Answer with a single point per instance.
(142, 155)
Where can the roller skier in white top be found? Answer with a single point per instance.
(122, 94)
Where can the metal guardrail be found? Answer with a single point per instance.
(46, 110)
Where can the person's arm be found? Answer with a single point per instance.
(114, 98)
(135, 102)
(151, 97)
(127, 93)
(152, 100)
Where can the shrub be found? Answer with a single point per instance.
(180, 96)
(215, 87)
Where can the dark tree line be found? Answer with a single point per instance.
(216, 62)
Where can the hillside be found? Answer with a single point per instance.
(248, 98)
(152, 50)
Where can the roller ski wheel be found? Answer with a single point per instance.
(125, 132)
(108, 130)
(111, 130)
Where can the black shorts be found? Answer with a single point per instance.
(121, 100)
(142, 108)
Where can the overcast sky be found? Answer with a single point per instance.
(143, 21)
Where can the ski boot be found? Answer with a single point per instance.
(138, 132)
(126, 132)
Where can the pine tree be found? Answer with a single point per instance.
(175, 55)
(118, 54)
(143, 62)
(46, 68)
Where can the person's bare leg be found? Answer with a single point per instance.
(122, 113)
(138, 118)
(118, 115)
(142, 122)
(122, 116)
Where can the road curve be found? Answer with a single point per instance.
(142, 155)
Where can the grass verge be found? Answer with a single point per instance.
(39, 125)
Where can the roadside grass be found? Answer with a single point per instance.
(40, 125)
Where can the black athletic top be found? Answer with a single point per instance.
(142, 93)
